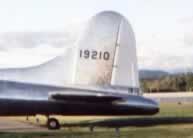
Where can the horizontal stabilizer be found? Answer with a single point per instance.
(84, 98)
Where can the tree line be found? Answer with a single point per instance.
(169, 83)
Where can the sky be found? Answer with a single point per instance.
(163, 29)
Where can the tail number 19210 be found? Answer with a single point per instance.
(92, 54)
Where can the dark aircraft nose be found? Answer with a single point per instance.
(150, 105)
(139, 105)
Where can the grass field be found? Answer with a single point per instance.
(184, 130)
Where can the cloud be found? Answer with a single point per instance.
(166, 52)
(28, 57)
(24, 49)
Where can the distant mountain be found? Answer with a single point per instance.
(152, 74)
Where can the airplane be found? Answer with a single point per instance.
(97, 76)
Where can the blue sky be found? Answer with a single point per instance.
(163, 28)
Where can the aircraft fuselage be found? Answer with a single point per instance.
(31, 99)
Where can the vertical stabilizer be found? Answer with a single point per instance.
(106, 53)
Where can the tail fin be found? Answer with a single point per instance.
(106, 53)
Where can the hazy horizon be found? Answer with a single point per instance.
(163, 29)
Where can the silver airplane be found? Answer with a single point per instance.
(100, 77)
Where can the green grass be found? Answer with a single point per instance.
(147, 132)
(176, 110)
(159, 131)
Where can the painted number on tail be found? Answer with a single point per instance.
(92, 54)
